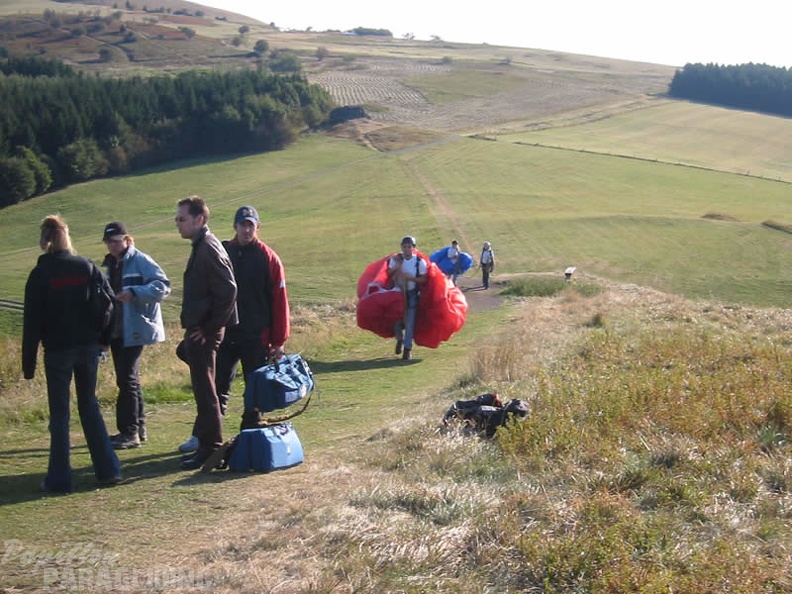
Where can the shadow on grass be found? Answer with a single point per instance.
(25, 453)
(19, 488)
(321, 367)
(196, 477)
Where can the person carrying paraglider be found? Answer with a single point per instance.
(407, 271)
(453, 253)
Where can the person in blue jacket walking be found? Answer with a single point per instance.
(140, 285)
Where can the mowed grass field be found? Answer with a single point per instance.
(681, 132)
(330, 207)
(378, 506)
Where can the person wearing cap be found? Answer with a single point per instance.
(262, 308)
(140, 286)
(262, 305)
(407, 271)
(486, 263)
(208, 306)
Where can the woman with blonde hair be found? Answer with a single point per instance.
(59, 315)
(140, 285)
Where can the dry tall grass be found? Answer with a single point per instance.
(655, 459)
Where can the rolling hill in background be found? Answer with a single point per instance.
(557, 158)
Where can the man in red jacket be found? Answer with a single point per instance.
(262, 305)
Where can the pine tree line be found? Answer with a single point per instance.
(755, 87)
(59, 126)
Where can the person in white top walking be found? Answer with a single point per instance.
(486, 263)
(407, 271)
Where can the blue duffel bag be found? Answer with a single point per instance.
(265, 449)
(278, 384)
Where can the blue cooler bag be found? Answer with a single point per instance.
(278, 384)
(265, 449)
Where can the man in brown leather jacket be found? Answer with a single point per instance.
(208, 306)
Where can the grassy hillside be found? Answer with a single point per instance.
(655, 457)
(330, 207)
(680, 132)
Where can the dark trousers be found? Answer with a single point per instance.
(130, 415)
(485, 274)
(60, 366)
(252, 355)
(202, 359)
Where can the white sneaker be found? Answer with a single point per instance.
(190, 445)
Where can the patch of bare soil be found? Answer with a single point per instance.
(377, 82)
(381, 136)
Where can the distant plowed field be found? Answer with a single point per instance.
(400, 92)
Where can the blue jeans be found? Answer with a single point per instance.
(80, 362)
(407, 325)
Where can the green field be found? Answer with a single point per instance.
(655, 457)
(330, 207)
(679, 132)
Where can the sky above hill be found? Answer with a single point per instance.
(673, 32)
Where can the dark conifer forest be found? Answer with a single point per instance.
(59, 126)
(753, 87)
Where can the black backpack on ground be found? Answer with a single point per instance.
(485, 413)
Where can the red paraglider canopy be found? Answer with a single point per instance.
(379, 306)
(441, 310)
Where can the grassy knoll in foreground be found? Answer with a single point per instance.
(654, 458)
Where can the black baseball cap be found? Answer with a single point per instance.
(114, 230)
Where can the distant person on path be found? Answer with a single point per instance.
(486, 263)
(262, 305)
(140, 285)
(208, 306)
(453, 253)
(59, 314)
(408, 272)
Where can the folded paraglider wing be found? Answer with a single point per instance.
(379, 306)
(441, 310)
(444, 263)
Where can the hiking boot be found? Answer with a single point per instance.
(110, 482)
(126, 442)
(196, 460)
(190, 445)
(142, 433)
(407, 356)
(399, 344)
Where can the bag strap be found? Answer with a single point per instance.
(269, 421)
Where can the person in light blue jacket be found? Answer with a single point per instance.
(140, 285)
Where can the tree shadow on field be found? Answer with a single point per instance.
(321, 367)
